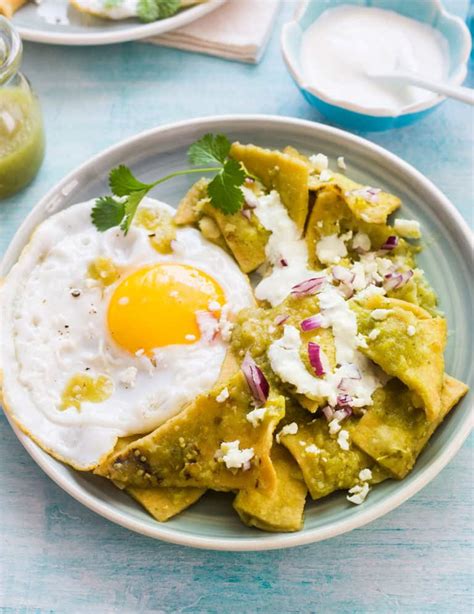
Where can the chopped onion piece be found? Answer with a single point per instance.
(344, 402)
(281, 319)
(256, 381)
(247, 213)
(341, 273)
(390, 243)
(312, 323)
(367, 192)
(314, 354)
(393, 281)
(308, 287)
(328, 413)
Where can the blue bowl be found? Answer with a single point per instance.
(371, 118)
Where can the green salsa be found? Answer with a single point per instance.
(21, 139)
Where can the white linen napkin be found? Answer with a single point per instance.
(238, 30)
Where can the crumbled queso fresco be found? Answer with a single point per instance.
(233, 457)
(256, 416)
(223, 395)
(288, 429)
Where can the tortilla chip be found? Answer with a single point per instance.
(211, 231)
(183, 452)
(394, 432)
(246, 238)
(371, 211)
(164, 503)
(326, 467)
(331, 214)
(416, 360)
(255, 330)
(286, 174)
(188, 211)
(280, 509)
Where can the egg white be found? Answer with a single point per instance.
(47, 336)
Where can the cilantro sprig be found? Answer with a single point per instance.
(210, 155)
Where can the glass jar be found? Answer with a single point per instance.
(21, 123)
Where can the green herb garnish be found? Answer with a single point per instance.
(210, 154)
(152, 10)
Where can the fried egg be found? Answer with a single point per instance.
(104, 335)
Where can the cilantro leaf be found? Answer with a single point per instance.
(209, 150)
(210, 154)
(107, 213)
(122, 181)
(167, 8)
(224, 190)
(152, 10)
(131, 206)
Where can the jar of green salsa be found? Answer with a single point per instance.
(21, 123)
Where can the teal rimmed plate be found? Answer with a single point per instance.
(447, 260)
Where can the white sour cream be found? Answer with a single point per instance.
(348, 42)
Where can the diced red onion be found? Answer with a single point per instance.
(393, 281)
(311, 323)
(328, 413)
(344, 402)
(281, 319)
(346, 290)
(314, 354)
(341, 273)
(308, 287)
(256, 381)
(247, 213)
(369, 193)
(208, 325)
(390, 243)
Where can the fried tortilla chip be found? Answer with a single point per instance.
(280, 509)
(325, 465)
(286, 174)
(410, 346)
(374, 210)
(161, 502)
(255, 330)
(331, 214)
(164, 503)
(186, 451)
(188, 211)
(394, 432)
(8, 7)
(246, 238)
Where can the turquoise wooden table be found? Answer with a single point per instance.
(57, 556)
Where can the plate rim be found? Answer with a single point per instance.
(135, 32)
(279, 540)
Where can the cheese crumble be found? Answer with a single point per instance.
(343, 440)
(288, 429)
(358, 493)
(223, 395)
(233, 457)
(256, 416)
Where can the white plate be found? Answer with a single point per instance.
(211, 523)
(81, 29)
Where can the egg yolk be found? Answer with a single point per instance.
(156, 306)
